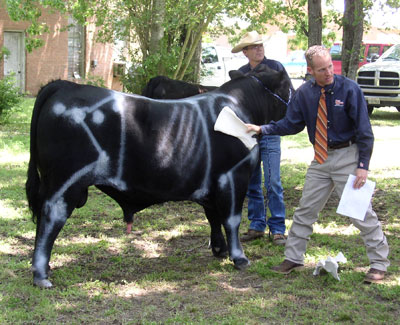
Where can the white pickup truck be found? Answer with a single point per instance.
(380, 80)
(216, 63)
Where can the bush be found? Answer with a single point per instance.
(94, 81)
(10, 97)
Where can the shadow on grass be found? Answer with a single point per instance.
(97, 278)
(388, 118)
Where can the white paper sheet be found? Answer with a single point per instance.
(228, 123)
(354, 202)
(331, 265)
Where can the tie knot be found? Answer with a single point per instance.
(323, 91)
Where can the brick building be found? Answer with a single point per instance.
(71, 54)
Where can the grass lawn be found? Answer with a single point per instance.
(164, 272)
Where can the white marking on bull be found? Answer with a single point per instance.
(71, 181)
(234, 222)
(118, 104)
(58, 210)
(101, 166)
(207, 140)
(59, 108)
(78, 115)
(164, 153)
(40, 259)
(100, 103)
(98, 117)
(92, 138)
(223, 181)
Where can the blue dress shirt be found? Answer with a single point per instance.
(347, 116)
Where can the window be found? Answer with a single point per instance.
(76, 49)
(386, 47)
(336, 52)
(373, 50)
(209, 55)
(362, 52)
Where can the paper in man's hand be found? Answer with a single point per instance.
(354, 202)
(228, 123)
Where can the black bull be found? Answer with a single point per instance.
(162, 87)
(141, 152)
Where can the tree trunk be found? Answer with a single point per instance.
(314, 22)
(353, 22)
(156, 27)
(196, 65)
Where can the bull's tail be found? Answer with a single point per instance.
(33, 182)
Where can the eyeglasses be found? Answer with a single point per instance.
(254, 47)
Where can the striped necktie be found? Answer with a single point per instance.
(321, 131)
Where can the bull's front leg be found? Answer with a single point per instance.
(51, 222)
(232, 188)
(236, 253)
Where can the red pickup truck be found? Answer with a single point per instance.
(370, 51)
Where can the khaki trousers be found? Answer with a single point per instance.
(320, 181)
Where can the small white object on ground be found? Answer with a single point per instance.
(331, 265)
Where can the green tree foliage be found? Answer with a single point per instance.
(10, 97)
(9, 92)
(291, 16)
(168, 33)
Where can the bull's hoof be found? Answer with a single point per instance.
(42, 283)
(129, 227)
(219, 252)
(241, 263)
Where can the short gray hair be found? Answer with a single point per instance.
(313, 51)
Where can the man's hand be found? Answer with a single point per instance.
(361, 178)
(252, 127)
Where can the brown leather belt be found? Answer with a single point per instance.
(341, 145)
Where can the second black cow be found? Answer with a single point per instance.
(162, 87)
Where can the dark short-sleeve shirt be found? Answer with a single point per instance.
(273, 64)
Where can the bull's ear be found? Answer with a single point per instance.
(234, 74)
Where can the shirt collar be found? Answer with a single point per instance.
(328, 88)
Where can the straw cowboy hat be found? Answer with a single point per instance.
(250, 38)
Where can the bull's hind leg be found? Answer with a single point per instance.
(54, 214)
(217, 239)
(229, 212)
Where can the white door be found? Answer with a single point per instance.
(14, 63)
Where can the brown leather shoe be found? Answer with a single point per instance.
(374, 276)
(279, 239)
(286, 267)
(252, 234)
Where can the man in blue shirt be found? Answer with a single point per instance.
(270, 152)
(349, 148)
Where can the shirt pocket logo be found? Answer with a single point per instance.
(338, 102)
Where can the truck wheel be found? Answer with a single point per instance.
(370, 109)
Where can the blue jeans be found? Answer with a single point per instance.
(270, 154)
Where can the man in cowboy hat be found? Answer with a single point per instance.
(270, 151)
